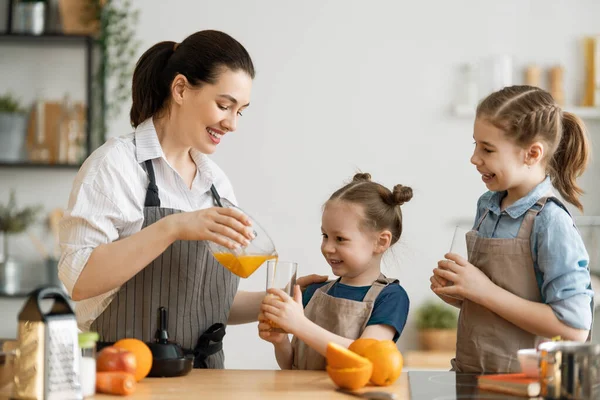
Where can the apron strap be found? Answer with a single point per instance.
(325, 288)
(527, 224)
(373, 291)
(152, 199)
(377, 287)
(481, 219)
(216, 196)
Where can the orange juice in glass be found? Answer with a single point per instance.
(281, 275)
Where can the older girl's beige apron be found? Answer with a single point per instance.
(346, 318)
(486, 342)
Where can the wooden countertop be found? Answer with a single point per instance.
(250, 384)
(227, 384)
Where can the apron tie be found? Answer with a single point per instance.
(209, 343)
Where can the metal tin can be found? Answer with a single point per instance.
(570, 370)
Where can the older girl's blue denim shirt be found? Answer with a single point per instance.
(559, 255)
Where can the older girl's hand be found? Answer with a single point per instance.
(468, 281)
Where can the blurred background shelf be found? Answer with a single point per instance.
(592, 113)
(46, 37)
(27, 164)
(23, 52)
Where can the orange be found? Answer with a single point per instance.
(387, 362)
(360, 345)
(340, 357)
(143, 356)
(350, 378)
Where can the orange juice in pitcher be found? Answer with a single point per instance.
(243, 265)
(245, 260)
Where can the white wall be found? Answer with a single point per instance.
(347, 85)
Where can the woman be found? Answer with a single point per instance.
(143, 204)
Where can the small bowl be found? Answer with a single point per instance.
(530, 362)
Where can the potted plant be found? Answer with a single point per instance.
(436, 323)
(13, 128)
(13, 220)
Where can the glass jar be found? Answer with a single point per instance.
(87, 364)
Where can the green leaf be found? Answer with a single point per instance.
(10, 104)
(15, 220)
(436, 315)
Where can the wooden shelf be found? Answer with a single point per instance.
(46, 37)
(87, 43)
(592, 113)
(26, 164)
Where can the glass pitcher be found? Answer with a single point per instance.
(243, 261)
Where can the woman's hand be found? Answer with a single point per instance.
(265, 333)
(468, 281)
(304, 281)
(283, 310)
(228, 227)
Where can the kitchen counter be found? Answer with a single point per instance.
(247, 385)
(313, 385)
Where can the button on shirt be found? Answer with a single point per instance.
(561, 262)
(107, 202)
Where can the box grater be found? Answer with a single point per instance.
(47, 362)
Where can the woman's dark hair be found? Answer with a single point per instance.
(201, 57)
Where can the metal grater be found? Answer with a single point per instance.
(47, 362)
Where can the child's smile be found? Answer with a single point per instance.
(487, 178)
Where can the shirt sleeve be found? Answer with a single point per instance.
(91, 219)
(391, 308)
(563, 261)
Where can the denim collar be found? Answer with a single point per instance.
(519, 207)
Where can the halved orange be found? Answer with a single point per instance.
(350, 378)
(360, 345)
(340, 357)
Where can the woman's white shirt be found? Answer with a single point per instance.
(107, 203)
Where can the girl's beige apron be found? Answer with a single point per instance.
(347, 318)
(486, 342)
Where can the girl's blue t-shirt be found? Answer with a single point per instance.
(390, 308)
